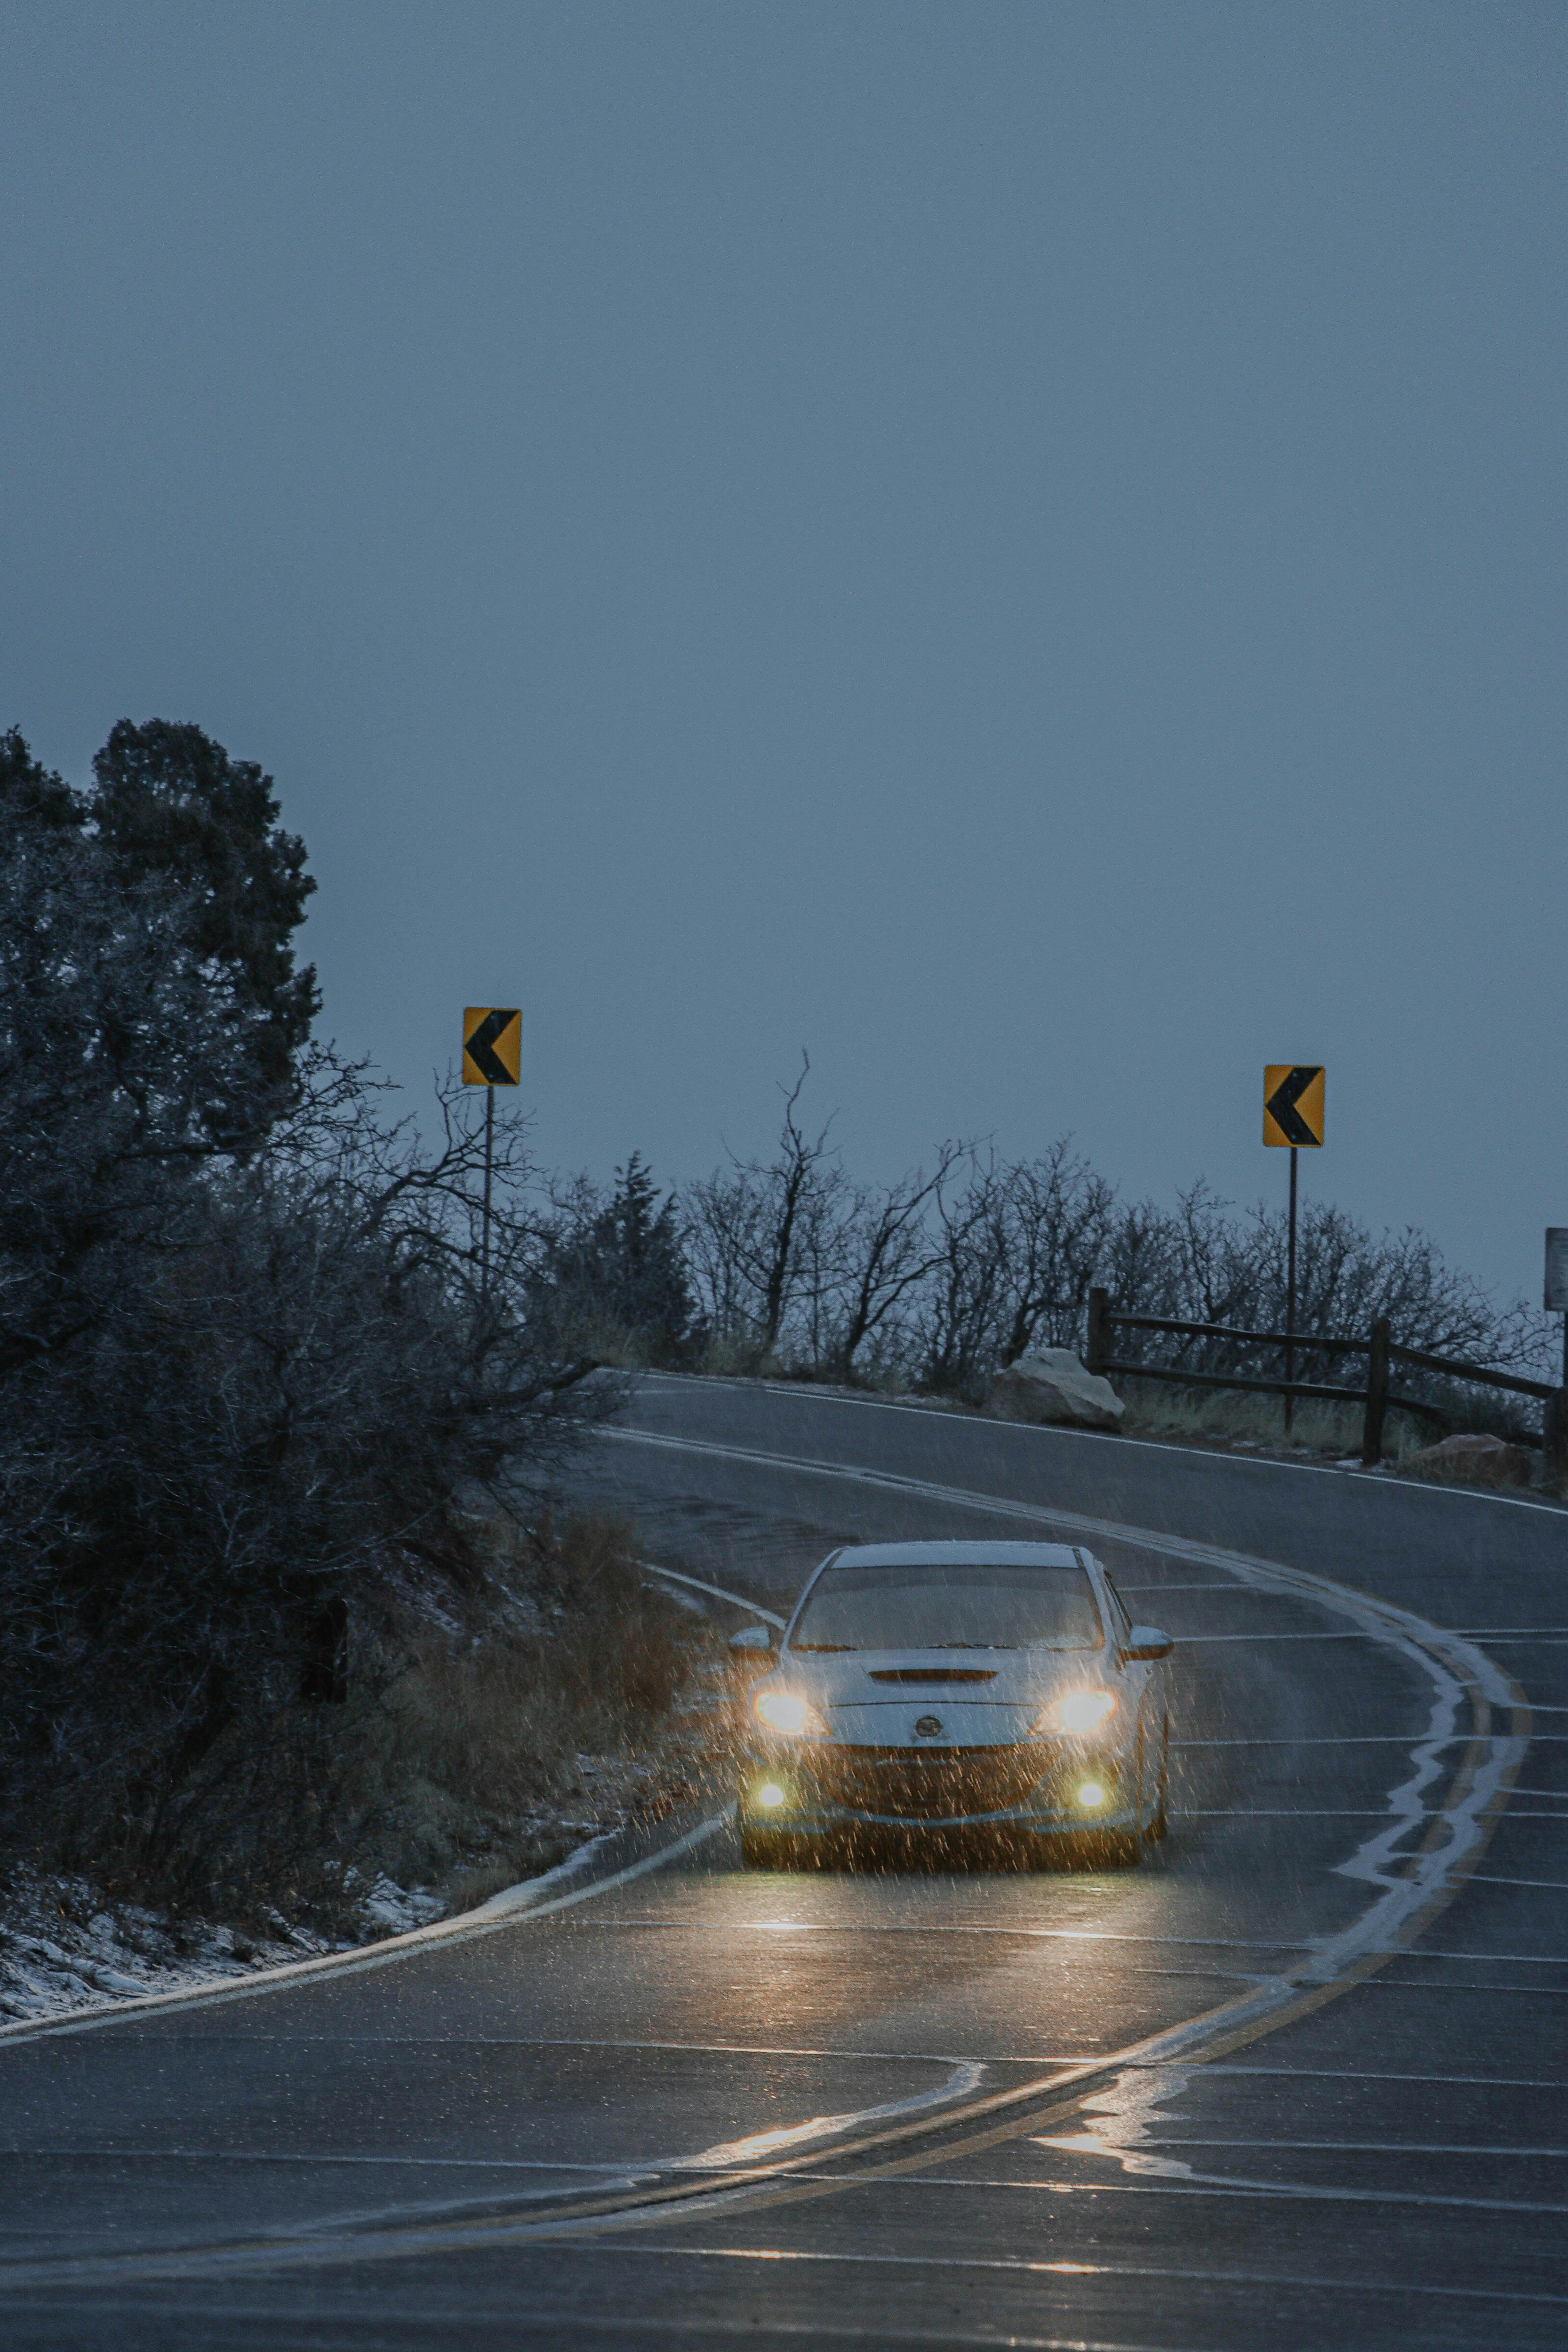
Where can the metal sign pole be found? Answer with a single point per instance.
(490, 1150)
(1292, 1115)
(493, 1057)
(1554, 1420)
(1291, 1298)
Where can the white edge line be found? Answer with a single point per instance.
(513, 1903)
(673, 1576)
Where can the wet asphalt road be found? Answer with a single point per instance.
(535, 2136)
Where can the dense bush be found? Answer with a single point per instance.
(249, 1389)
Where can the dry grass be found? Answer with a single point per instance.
(569, 1700)
(501, 1743)
(1238, 1417)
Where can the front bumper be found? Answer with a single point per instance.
(1045, 1789)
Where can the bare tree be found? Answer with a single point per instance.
(761, 1232)
(887, 1253)
(957, 1327)
(1058, 1214)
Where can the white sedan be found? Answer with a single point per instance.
(929, 1689)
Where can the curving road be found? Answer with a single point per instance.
(1300, 2081)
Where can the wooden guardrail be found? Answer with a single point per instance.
(1375, 1395)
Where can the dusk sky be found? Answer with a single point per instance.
(1022, 549)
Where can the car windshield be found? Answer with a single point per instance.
(949, 1606)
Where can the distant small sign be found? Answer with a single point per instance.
(1557, 1269)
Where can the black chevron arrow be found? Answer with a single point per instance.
(1281, 1106)
(480, 1049)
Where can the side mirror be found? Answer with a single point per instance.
(1147, 1641)
(751, 1637)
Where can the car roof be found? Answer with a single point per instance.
(957, 1555)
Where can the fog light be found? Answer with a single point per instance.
(770, 1794)
(1090, 1794)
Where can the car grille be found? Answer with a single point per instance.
(928, 1784)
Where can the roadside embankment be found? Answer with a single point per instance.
(478, 1743)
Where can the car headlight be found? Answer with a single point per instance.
(787, 1712)
(1080, 1710)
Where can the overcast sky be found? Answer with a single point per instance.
(1020, 548)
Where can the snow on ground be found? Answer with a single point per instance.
(61, 1949)
(65, 1947)
(57, 1952)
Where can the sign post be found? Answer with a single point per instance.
(1292, 1118)
(1557, 1304)
(1557, 1274)
(493, 1057)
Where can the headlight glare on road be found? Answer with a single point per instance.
(1080, 1710)
(1090, 1795)
(771, 1795)
(787, 1712)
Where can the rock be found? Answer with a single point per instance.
(112, 1980)
(1051, 1385)
(1484, 1460)
(42, 1948)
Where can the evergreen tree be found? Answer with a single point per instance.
(171, 806)
(34, 801)
(616, 1274)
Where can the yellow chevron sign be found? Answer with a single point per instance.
(492, 1046)
(1294, 1103)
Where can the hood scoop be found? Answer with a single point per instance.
(932, 1675)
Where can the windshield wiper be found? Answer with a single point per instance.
(821, 1645)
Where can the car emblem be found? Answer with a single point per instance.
(929, 1726)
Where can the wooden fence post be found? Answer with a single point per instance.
(1376, 1394)
(1097, 1346)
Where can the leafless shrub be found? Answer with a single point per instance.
(886, 1252)
(1022, 1244)
(964, 1308)
(1205, 1264)
(763, 1237)
(937, 1281)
